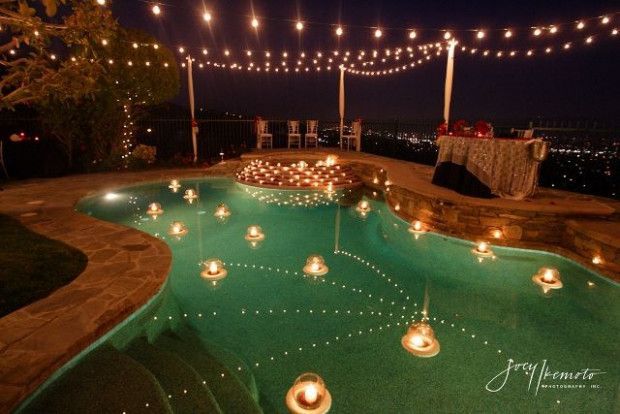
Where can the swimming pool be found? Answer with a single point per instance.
(266, 323)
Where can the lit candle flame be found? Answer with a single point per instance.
(311, 394)
(548, 276)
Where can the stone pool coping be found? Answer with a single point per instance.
(125, 269)
(40, 338)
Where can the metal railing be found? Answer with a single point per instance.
(583, 158)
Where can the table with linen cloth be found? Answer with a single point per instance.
(489, 167)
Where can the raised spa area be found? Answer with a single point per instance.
(317, 298)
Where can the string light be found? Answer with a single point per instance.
(255, 22)
(156, 10)
(553, 30)
(537, 32)
(581, 25)
(101, 2)
(605, 20)
(339, 31)
(447, 35)
(378, 33)
(480, 34)
(207, 16)
(412, 34)
(508, 34)
(299, 26)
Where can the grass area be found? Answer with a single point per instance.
(32, 266)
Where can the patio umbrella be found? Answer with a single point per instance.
(190, 88)
(341, 104)
(449, 78)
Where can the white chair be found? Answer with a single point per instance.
(355, 136)
(294, 136)
(524, 133)
(312, 137)
(263, 137)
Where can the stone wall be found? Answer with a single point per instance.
(527, 228)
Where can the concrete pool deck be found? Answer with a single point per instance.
(126, 267)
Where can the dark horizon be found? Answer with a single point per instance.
(574, 84)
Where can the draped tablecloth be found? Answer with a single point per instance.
(506, 167)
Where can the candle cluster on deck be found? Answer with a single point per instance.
(326, 175)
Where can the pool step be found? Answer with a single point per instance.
(105, 381)
(230, 392)
(186, 390)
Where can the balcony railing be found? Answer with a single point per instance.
(583, 156)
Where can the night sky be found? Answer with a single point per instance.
(582, 83)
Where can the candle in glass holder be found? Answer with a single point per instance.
(483, 250)
(363, 208)
(222, 211)
(177, 229)
(190, 195)
(213, 269)
(154, 210)
(254, 234)
(420, 340)
(315, 266)
(174, 186)
(548, 278)
(308, 395)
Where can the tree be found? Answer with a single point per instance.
(99, 128)
(41, 31)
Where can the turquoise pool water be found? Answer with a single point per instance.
(347, 326)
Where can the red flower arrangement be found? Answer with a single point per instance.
(459, 127)
(482, 128)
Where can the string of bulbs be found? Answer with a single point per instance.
(255, 22)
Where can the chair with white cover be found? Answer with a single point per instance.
(354, 137)
(294, 136)
(312, 137)
(524, 133)
(263, 137)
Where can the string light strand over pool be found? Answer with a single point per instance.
(298, 24)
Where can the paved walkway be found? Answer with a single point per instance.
(125, 269)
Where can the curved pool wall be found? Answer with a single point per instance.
(348, 327)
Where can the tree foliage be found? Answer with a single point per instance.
(87, 76)
(98, 128)
(31, 70)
